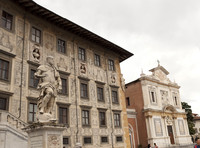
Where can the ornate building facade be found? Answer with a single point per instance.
(155, 112)
(91, 104)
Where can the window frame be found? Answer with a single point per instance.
(32, 112)
(128, 103)
(7, 98)
(69, 143)
(65, 46)
(87, 143)
(152, 90)
(97, 62)
(84, 82)
(30, 100)
(111, 67)
(104, 142)
(81, 55)
(175, 99)
(67, 114)
(63, 105)
(117, 95)
(89, 117)
(100, 86)
(41, 35)
(7, 58)
(121, 137)
(13, 20)
(32, 67)
(119, 120)
(66, 77)
(102, 111)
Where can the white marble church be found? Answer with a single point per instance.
(160, 117)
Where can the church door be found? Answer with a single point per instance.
(170, 133)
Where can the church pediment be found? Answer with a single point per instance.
(160, 73)
(169, 108)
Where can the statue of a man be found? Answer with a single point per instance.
(49, 84)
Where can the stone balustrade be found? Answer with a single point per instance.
(7, 118)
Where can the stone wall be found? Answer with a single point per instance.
(11, 45)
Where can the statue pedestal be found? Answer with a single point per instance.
(45, 136)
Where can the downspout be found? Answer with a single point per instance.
(22, 70)
(109, 98)
(76, 98)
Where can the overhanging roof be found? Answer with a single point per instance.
(39, 11)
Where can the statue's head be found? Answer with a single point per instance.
(50, 60)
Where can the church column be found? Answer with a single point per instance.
(149, 126)
(186, 125)
(175, 123)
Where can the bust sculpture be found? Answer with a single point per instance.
(49, 85)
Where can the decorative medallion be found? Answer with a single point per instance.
(36, 52)
(83, 68)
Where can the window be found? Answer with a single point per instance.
(127, 101)
(111, 65)
(81, 54)
(64, 86)
(33, 82)
(87, 140)
(100, 96)
(3, 103)
(175, 100)
(4, 69)
(114, 96)
(7, 20)
(153, 97)
(85, 117)
(117, 119)
(119, 139)
(32, 112)
(36, 35)
(84, 90)
(65, 141)
(63, 117)
(104, 139)
(97, 60)
(61, 46)
(102, 118)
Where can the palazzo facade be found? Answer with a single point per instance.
(91, 104)
(154, 107)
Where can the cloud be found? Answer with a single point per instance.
(158, 29)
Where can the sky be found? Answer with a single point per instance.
(164, 30)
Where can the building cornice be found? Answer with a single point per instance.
(45, 14)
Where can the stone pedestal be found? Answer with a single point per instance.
(45, 136)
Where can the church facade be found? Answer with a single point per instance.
(154, 106)
(91, 104)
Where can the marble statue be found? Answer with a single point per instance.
(49, 85)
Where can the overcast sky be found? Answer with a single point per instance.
(165, 30)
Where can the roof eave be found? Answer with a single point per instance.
(35, 9)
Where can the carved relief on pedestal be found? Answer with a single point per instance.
(54, 141)
(6, 40)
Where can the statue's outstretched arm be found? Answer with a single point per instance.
(38, 74)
